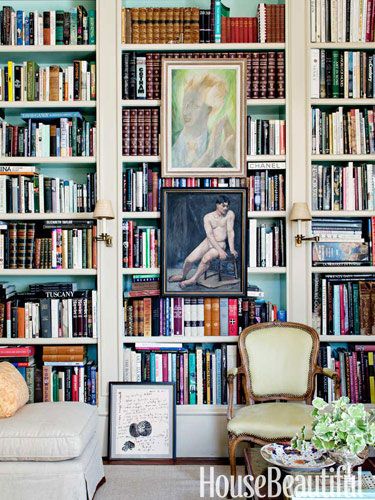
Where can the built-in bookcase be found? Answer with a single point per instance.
(71, 168)
(273, 281)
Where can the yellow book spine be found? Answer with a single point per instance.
(10, 81)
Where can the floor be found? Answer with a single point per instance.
(161, 482)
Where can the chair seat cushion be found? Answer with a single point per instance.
(272, 421)
(47, 432)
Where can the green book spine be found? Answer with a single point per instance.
(84, 248)
(356, 309)
(30, 374)
(335, 74)
(92, 27)
(30, 69)
(70, 249)
(55, 386)
(192, 379)
(59, 27)
(73, 27)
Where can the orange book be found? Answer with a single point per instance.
(21, 322)
(135, 318)
(215, 316)
(207, 316)
(147, 316)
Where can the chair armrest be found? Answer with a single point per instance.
(332, 374)
(231, 374)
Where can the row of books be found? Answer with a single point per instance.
(355, 367)
(266, 190)
(53, 27)
(48, 245)
(271, 23)
(29, 81)
(343, 187)
(342, 21)
(140, 131)
(141, 245)
(349, 131)
(344, 304)
(24, 190)
(265, 72)
(48, 134)
(266, 137)
(343, 241)
(199, 372)
(267, 243)
(342, 74)
(195, 317)
(52, 310)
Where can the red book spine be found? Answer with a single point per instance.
(140, 132)
(156, 69)
(365, 348)
(75, 393)
(373, 238)
(342, 310)
(149, 76)
(131, 244)
(280, 72)
(241, 37)
(271, 75)
(126, 132)
(154, 132)
(255, 76)
(133, 132)
(248, 74)
(263, 75)
(355, 377)
(232, 317)
(282, 137)
(368, 21)
(16, 352)
(177, 315)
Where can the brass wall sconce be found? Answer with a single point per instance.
(103, 211)
(300, 212)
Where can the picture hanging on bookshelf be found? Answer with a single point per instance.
(203, 250)
(203, 118)
(141, 420)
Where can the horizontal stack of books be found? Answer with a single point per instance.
(344, 304)
(23, 358)
(349, 131)
(343, 241)
(68, 375)
(266, 190)
(141, 245)
(141, 285)
(24, 190)
(342, 73)
(48, 245)
(29, 81)
(343, 187)
(265, 72)
(355, 367)
(199, 372)
(266, 137)
(195, 317)
(333, 21)
(50, 310)
(140, 131)
(52, 27)
(48, 134)
(267, 243)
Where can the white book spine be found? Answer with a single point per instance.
(313, 21)
(53, 27)
(55, 317)
(334, 14)
(200, 322)
(318, 20)
(315, 73)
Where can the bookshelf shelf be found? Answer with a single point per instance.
(203, 409)
(63, 216)
(140, 270)
(47, 104)
(48, 272)
(49, 341)
(266, 214)
(343, 45)
(342, 157)
(136, 159)
(34, 160)
(156, 215)
(267, 270)
(35, 49)
(343, 213)
(181, 339)
(266, 157)
(342, 102)
(358, 339)
(181, 47)
(342, 269)
(138, 103)
(141, 215)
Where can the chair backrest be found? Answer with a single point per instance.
(279, 360)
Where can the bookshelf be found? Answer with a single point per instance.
(274, 281)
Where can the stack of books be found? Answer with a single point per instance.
(29, 81)
(267, 243)
(51, 310)
(25, 190)
(343, 187)
(48, 245)
(48, 134)
(51, 27)
(23, 358)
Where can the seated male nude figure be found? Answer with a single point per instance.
(219, 227)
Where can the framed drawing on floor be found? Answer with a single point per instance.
(142, 421)
(203, 116)
(203, 242)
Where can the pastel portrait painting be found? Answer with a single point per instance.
(203, 242)
(203, 109)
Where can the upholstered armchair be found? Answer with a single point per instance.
(278, 367)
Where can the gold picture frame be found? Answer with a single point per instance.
(203, 118)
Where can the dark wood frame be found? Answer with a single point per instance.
(164, 237)
(132, 459)
(252, 398)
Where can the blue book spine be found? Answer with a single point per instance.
(350, 82)
(19, 27)
(336, 309)
(192, 379)
(22, 370)
(281, 315)
(152, 367)
(223, 316)
(206, 183)
(27, 30)
(174, 367)
(93, 385)
(167, 316)
(217, 21)
(218, 376)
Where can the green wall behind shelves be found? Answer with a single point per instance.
(273, 286)
(22, 282)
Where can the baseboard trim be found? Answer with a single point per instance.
(174, 461)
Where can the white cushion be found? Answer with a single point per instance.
(47, 431)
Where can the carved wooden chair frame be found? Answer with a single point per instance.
(252, 398)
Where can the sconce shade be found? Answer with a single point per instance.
(300, 211)
(103, 210)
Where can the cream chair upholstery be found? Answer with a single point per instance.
(278, 366)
